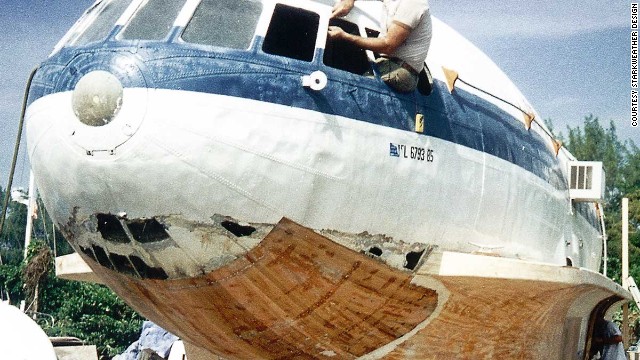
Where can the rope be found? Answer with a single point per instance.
(43, 215)
(16, 149)
(508, 103)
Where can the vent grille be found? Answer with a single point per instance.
(581, 177)
(586, 181)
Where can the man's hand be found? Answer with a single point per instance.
(342, 8)
(396, 35)
(336, 33)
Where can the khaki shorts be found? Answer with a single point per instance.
(397, 77)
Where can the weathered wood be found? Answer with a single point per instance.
(85, 352)
(299, 295)
(73, 267)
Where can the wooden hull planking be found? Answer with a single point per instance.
(299, 295)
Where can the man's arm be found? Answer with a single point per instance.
(396, 35)
(608, 341)
(342, 8)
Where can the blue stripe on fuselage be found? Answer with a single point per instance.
(461, 117)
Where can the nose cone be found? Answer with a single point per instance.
(95, 104)
(97, 98)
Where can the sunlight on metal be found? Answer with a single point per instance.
(529, 117)
(451, 76)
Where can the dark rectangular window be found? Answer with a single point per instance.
(292, 33)
(344, 55)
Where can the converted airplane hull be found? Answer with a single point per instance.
(258, 214)
(226, 275)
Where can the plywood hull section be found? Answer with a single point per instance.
(495, 320)
(299, 295)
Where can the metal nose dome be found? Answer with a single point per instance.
(97, 98)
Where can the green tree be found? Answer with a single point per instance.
(12, 237)
(621, 161)
(11, 282)
(595, 143)
(13, 234)
(90, 312)
(631, 170)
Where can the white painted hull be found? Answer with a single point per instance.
(196, 156)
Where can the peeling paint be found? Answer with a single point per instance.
(391, 251)
(178, 247)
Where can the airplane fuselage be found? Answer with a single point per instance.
(170, 155)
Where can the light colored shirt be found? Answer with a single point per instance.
(416, 15)
(612, 351)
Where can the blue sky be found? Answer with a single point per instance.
(570, 59)
(30, 29)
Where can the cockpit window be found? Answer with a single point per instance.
(292, 33)
(104, 22)
(224, 23)
(344, 55)
(153, 20)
